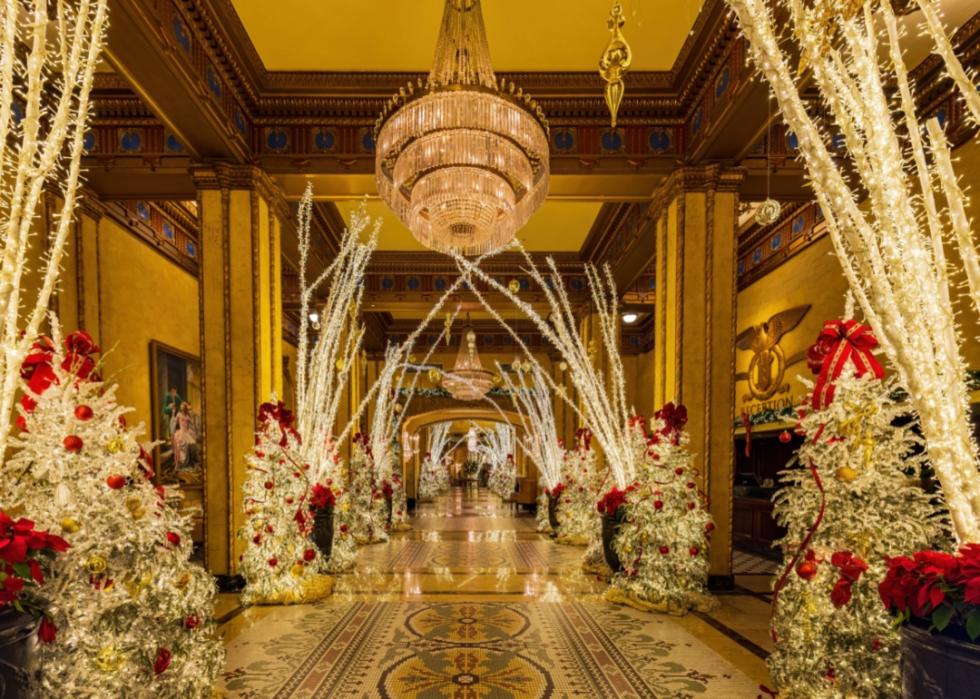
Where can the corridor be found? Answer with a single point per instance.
(475, 604)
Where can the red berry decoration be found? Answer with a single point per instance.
(691, 505)
(83, 412)
(257, 539)
(691, 485)
(678, 470)
(72, 443)
(273, 562)
(709, 527)
(658, 505)
(309, 555)
(115, 481)
(269, 485)
(665, 550)
(162, 661)
(694, 551)
(173, 538)
(192, 621)
(806, 570)
(268, 529)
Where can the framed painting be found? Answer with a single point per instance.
(175, 395)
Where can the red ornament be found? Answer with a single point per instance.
(806, 570)
(665, 550)
(691, 485)
(72, 443)
(192, 621)
(257, 539)
(83, 412)
(162, 662)
(658, 505)
(694, 551)
(273, 562)
(173, 538)
(785, 437)
(46, 630)
(115, 481)
(709, 527)
(269, 485)
(289, 500)
(691, 505)
(268, 529)
(678, 470)
(344, 528)
(309, 555)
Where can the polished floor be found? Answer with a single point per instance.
(474, 604)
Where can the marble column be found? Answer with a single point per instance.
(241, 214)
(696, 229)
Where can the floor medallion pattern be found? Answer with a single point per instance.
(472, 604)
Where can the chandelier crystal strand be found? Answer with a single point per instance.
(468, 380)
(461, 158)
(890, 251)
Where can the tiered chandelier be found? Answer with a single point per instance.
(462, 158)
(468, 380)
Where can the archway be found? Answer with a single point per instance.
(411, 464)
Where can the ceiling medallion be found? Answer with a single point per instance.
(468, 380)
(462, 157)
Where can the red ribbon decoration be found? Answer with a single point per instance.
(804, 545)
(284, 418)
(747, 424)
(841, 342)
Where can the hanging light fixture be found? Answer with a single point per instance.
(468, 380)
(462, 157)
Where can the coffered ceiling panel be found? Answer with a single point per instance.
(400, 35)
(558, 226)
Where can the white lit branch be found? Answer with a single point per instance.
(49, 50)
(887, 216)
(533, 402)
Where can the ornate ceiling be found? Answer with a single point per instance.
(400, 35)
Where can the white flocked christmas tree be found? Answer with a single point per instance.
(134, 615)
(852, 498)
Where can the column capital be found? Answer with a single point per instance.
(228, 176)
(701, 178)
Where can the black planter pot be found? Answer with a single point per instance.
(936, 666)
(553, 514)
(323, 532)
(610, 526)
(18, 647)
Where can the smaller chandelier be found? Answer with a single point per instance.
(468, 380)
(462, 157)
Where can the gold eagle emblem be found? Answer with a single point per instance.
(768, 365)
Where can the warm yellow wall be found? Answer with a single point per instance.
(143, 297)
(968, 168)
(639, 370)
(812, 277)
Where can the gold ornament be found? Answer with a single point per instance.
(109, 659)
(434, 375)
(181, 582)
(846, 474)
(615, 61)
(297, 570)
(514, 286)
(96, 564)
(114, 445)
(397, 407)
(70, 525)
(135, 507)
(339, 364)
(563, 366)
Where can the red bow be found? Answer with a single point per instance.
(39, 373)
(283, 417)
(841, 342)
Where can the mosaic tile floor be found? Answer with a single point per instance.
(473, 604)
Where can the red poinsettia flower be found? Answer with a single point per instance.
(556, 491)
(46, 630)
(322, 498)
(162, 661)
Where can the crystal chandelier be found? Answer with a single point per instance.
(468, 380)
(462, 158)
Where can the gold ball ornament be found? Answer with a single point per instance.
(182, 582)
(96, 564)
(846, 474)
(297, 570)
(135, 507)
(114, 445)
(109, 659)
(339, 364)
(70, 525)
(514, 286)
(434, 375)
